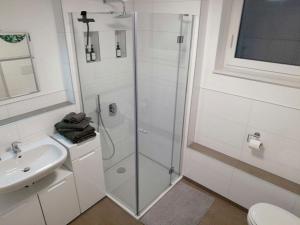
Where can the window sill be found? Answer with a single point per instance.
(260, 76)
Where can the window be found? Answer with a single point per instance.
(263, 37)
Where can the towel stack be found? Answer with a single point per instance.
(76, 127)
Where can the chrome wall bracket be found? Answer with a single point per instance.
(256, 136)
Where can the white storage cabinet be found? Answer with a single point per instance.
(85, 159)
(27, 212)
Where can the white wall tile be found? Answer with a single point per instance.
(248, 190)
(276, 119)
(218, 120)
(236, 185)
(3, 112)
(279, 155)
(41, 124)
(230, 107)
(296, 208)
(208, 172)
(8, 133)
(224, 121)
(222, 135)
(166, 6)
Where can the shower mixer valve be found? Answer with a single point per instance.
(113, 109)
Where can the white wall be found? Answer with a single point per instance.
(224, 122)
(50, 60)
(43, 33)
(235, 184)
(31, 128)
(227, 110)
(168, 6)
(43, 124)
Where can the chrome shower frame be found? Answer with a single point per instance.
(136, 212)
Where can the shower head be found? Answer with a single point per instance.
(84, 18)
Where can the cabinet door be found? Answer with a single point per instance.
(59, 202)
(26, 213)
(89, 179)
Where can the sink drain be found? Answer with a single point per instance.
(121, 170)
(26, 169)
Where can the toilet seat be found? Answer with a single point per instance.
(267, 214)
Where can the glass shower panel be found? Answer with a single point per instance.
(108, 82)
(180, 100)
(158, 55)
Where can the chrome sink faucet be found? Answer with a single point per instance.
(15, 147)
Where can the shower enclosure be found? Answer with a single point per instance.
(135, 89)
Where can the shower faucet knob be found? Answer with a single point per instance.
(113, 109)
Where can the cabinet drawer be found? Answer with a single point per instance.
(27, 212)
(78, 150)
(89, 179)
(59, 202)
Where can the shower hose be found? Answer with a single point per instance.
(100, 122)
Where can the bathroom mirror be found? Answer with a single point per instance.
(35, 72)
(17, 75)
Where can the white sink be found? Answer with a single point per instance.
(35, 161)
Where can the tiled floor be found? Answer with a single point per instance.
(106, 212)
(222, 212)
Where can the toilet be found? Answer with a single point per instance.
(267, 214)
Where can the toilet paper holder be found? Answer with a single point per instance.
(256, 136)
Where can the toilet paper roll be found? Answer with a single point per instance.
(255, 144)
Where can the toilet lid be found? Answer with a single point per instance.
(267, 214)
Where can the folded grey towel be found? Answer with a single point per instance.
(74, 117)
(84, 138)
(79, 136)
(73, 126)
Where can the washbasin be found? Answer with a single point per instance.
(35, 161)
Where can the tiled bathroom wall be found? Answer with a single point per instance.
(113, 79)
(236, 185)
(168, 6)
(225, 111)
(224, 122)
(31, 128)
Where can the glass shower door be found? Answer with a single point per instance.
(186, 31)
(136, 101)
(162, 47)
(107, 92)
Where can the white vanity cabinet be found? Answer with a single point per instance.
(89, 179)
(50, 201)
(26, 212)
(59, 201)
(85, 159)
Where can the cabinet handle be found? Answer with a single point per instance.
(57, 185)
(86, 156)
